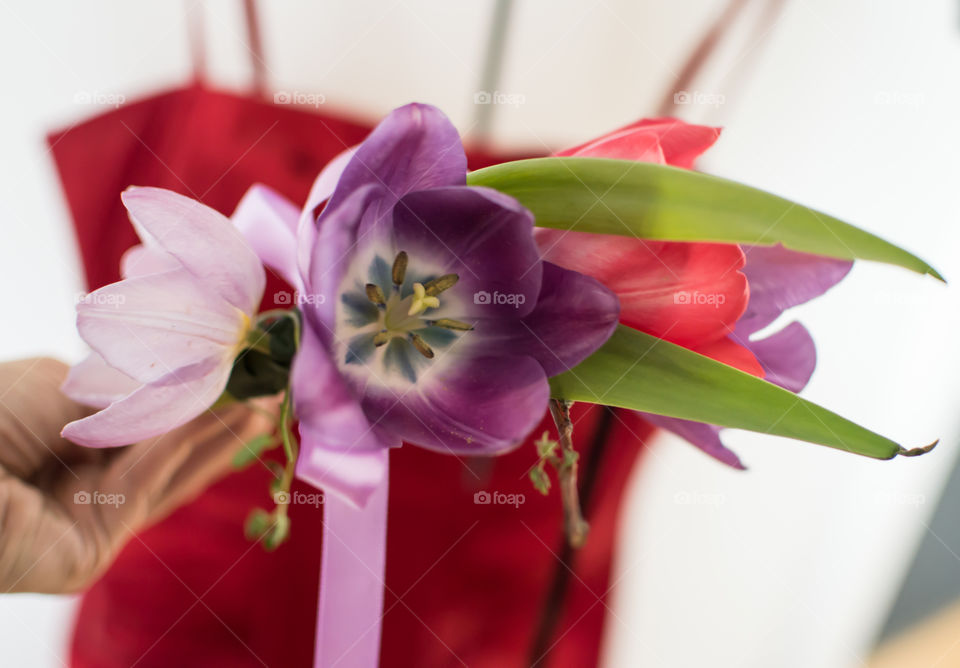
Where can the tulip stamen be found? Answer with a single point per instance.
(439, 284)
(375, 294)
(450, 323)
(402, 321)
(421, 346)
(399, 271)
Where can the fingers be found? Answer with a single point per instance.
(159, 475)
(57, 538)
(32, 413)
(40, 548)
(209, 462)
(140, 474)
(66, 510)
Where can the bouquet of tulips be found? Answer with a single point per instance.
(449, 310)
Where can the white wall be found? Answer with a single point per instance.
(850, 108)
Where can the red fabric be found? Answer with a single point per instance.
(465, 582)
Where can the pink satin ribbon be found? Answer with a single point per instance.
(350, 610)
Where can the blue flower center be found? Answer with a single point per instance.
(394, 320)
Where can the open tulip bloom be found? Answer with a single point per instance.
(166, 336)
(430, 311)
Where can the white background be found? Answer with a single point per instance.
(849, 106)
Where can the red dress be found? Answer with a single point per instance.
(477, 585)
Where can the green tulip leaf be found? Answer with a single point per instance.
(649, 201)
(638, 371)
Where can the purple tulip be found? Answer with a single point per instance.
(429, 316)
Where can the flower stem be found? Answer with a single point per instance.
(576, 527)
(289, 448)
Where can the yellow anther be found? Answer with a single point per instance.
(421, 301)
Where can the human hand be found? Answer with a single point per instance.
(66, 510)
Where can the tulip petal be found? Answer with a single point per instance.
(660, 140)
(481, 235)
(268, 221)
(682, 143)
(203, 240)
(780, 279)
(788, 357)
(737, 355)
(331, 255)
(154, 409)
(573, 317)
(416, 147)
(686, 293)
(481, 405)
(623, 144)
(144, 259)
(326, 403)
(320, 192)
(149, 326)
(93, 382)
(704, 436)
(325, 184)
(339, 439)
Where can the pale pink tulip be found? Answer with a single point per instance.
(166, 336)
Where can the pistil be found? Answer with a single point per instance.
(421, 300)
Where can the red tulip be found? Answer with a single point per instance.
(691, 294)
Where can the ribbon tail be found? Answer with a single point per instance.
(350, 610)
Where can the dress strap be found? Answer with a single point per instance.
(193, 15)
(492, 68)
(254, 44)
(705, 49)
(258, 66)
